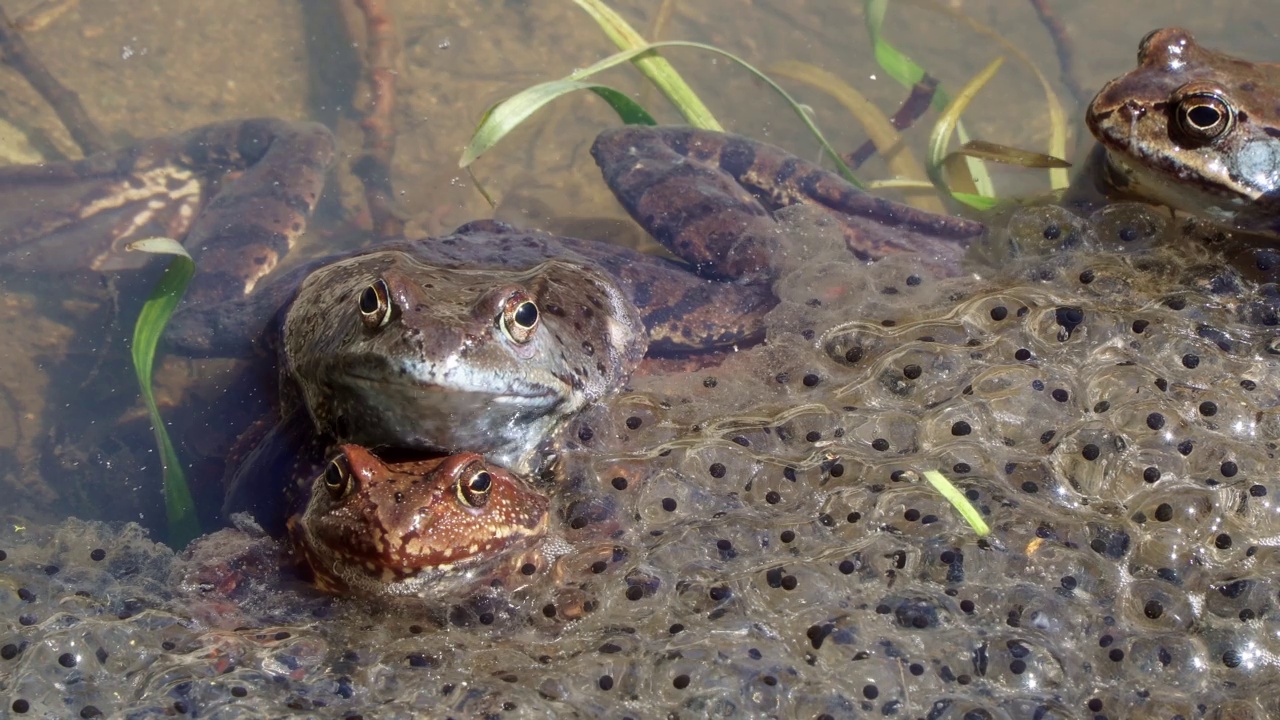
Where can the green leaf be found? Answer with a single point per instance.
(486, 137)
(651, 65)
(958, 501)
(893, 61)
(507, 115)
(179, 505)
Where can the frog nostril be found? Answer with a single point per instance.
(1133, 110)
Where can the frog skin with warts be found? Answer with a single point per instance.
(421, 527)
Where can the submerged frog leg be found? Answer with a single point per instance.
(254, 221)
(75, 215)
(685, 313)
(709, 198)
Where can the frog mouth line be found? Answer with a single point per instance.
(532, 394)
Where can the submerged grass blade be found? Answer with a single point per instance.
(888, 141)
(893, 61)
(903, 69)
(1058, 177)
(179, 506)
(508, 114)
(655, 68)
(940, 137)
(958, 501)
(485, 137)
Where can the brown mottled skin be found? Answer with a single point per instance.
(1194, 129)
(421, 528)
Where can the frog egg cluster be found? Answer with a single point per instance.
(754, 539)
(1106, 402)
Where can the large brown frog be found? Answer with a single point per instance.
(488, 338)
(415, 527)
(1195, 129)
(485, 340)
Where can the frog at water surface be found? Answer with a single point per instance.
(1195, 129)
(415, 527)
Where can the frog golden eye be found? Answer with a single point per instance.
(376, 308)
(337, 478)
(1201, 114)
(473, 485)
(520, 317)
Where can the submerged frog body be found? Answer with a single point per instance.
(80, 215)
(1195, 129)
(419, 527)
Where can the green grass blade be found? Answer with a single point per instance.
(977, 202)
(903, 69)
(958, 501)
(655, 68)
(180, 508)
(894, 62)
(508, 114)
(486, 137)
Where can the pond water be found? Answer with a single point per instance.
(748, 539)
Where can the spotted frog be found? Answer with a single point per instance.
(417, 527)
(1195, 129)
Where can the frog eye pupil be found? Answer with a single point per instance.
(376, 308)
(474, 485)
(520, 317)
(337, 477)
(369, 300)
(1202, 115)
(526, 315)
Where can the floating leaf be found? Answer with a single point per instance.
(995, 152)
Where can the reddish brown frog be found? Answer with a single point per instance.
(421, 527)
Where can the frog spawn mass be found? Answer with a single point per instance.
(750, 539)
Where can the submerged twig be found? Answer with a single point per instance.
(1065, 49)
(15, 53)
(912, 109)
(382, 53)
